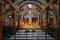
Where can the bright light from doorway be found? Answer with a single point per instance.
(29, 5)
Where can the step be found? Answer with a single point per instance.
(31, 35)
(33, 38)
(30, 32)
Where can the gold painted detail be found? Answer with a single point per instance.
(31, 26)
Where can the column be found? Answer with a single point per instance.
(19, 17)
(59, 21)
(14, 21)
(47, 20)
(40, 22)
(1, 25)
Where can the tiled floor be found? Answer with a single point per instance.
(37, 35)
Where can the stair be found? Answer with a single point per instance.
(38, 35)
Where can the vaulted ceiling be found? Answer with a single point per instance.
(34, 5)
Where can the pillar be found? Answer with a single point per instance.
(59, 21)
(1, 26)
(14, 21)
(19, 20)
(47, 19)
(40, 22)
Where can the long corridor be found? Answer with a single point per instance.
(30, 20)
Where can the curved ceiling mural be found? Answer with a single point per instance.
(35, 5)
